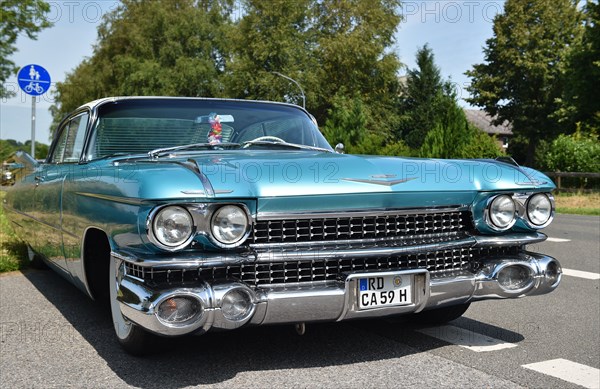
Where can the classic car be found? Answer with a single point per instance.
(191, 214)
(12, 171)
(6, 177)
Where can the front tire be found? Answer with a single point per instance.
(132, 338)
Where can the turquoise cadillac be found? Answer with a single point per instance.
(187, 214)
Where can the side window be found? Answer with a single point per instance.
(74, 144)
(70, 143)
(60, 145)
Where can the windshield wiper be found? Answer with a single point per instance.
(285, 144)
(107, 156)
(157, 152)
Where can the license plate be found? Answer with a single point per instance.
(384, 291)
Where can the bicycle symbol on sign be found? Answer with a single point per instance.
(34, 87)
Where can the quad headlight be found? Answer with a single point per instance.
(172, 227)
(500, 213)
(229, 226)
(530, 210)
(539, 210)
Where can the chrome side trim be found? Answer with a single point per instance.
(380, 182)
(116, 199)
(515, 239)
(356, 213)
(194, 192)
(29, 216)
(203, 193)
(191, 261)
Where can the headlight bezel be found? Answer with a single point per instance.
(488, 214)
(153, 236)
(527, 218)
(243, 236)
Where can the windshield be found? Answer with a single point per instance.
(138, 126)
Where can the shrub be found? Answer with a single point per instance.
(574, 153)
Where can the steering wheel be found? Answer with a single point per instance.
(263, 138)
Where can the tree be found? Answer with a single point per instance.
(346, 122)
(421, 99)
(450, 132)
(454, 137)
(150, 47)
(522, 77)
(331, 47)
(272, 36)
(9, 146)
(18, 17)
(353, 51)
(580, 102)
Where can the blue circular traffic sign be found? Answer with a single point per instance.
(34, 79)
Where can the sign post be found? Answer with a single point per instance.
(33, 80)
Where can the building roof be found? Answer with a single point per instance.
(483, 121)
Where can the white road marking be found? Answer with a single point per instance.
(558, 240)
(467, 339)
(581, 274)
(575, 373)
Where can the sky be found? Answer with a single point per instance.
(456, 31)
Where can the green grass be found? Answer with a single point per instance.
(578, 203)
(13, 252)
(579, 211)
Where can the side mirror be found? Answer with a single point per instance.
(25, 160)
(339, 148)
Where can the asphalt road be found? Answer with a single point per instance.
(51, 335)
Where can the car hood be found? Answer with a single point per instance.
(257, 174)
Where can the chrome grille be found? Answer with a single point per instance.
(361, 227)
(437, 262)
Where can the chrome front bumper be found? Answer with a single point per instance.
(333, 300)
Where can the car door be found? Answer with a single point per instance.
(62, 162)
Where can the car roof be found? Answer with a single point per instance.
(96, 103)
